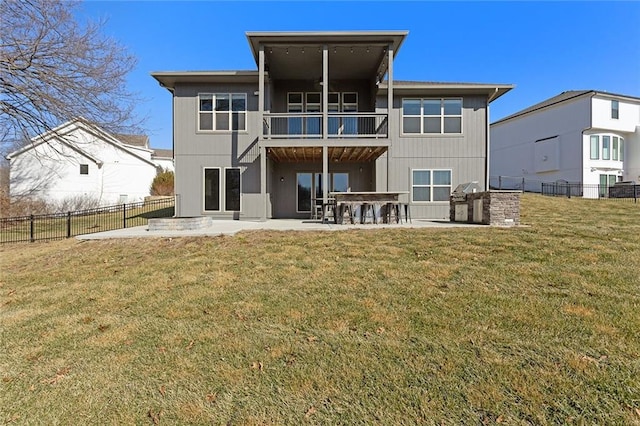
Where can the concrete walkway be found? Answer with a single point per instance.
(232, 227)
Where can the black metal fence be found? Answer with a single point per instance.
(626, 192)
(517, 183)
(55, 226)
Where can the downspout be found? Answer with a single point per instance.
(586, 129)
(491, 97)
(177, 207)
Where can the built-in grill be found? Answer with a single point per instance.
(461, 191)
(470, 204)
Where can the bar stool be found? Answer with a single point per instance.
(393, 210)
(368, 210)
(329, 211)
(407, 212)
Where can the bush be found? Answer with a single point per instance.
(163, 183)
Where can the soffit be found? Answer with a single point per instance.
(352, 54)
(312, 154)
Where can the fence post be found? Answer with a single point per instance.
(31, 236)
(523, 184)
(568, 190)
(68, 224)
(124, 215)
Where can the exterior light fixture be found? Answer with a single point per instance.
(287, 50)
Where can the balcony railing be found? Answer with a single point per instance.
(340, 125)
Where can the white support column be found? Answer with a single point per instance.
(325, 173)
(263, 150)
(325, 123)
(391, 128)
(263, 182)
(261, 87)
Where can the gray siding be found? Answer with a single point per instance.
(196, 150)
(464, 155)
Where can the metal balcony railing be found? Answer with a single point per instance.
(340, 125)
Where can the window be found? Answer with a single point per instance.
(595, 147)
(232, 189)
(606, 181)
(615, 109)
(606, 153)
(294, 105)
(303, 193)
(350, 104)
(213, 185)
(430, 185)
(222, 111)
(432, 116)
(611, 147)
(313, 104)
(84, 169)
(211, 189)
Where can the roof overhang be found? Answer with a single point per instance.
(352, 54)
(169, 79)
(491, 91)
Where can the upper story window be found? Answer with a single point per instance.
(432, 116)
(606, 147)
(84, 169)
(615, 109)
(222, 111)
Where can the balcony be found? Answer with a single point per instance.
(352, 125)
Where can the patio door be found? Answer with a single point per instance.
(309, 188)
(605, 182)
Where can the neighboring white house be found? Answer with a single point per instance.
(588, 137)
(79, 161)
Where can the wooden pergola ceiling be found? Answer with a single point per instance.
(312, 154)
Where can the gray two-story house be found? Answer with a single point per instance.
(321, 114)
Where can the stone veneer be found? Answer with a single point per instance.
(499, 208)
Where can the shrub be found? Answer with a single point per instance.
(163, 183)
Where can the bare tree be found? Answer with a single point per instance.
(54, 68)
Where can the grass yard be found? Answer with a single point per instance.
(534, 325)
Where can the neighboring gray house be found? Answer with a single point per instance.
(314, 118)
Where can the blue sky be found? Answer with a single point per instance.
(544, 48)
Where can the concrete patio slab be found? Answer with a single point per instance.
(232, 227)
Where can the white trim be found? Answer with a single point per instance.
(213, 112)
(431, 185)
(442, 116)
(204, 208)
(223, 194)
(311, 192)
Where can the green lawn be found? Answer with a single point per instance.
(531, 325)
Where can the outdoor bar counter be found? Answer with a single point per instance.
(378, 206)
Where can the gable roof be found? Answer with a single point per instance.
(163, 153)
(134, 140)
(64, 129)
(568, 96)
